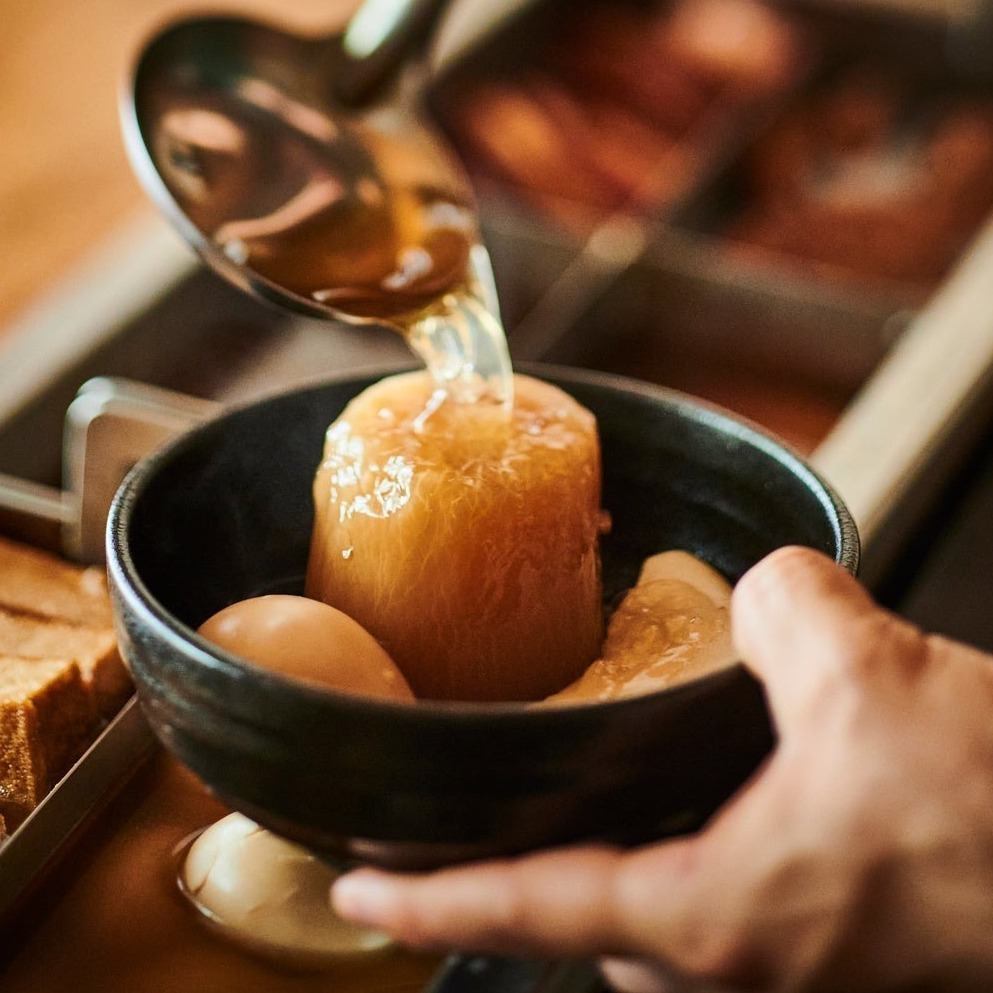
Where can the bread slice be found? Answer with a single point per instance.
(34, 582)
(46, 719)
(93, 648)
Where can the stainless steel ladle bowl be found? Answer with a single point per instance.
(297, 166)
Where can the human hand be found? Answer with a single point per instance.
(859, 858)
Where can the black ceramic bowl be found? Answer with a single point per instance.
(225, 513)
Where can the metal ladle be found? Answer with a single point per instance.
(279, 160)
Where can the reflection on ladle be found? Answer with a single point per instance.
(361, 216)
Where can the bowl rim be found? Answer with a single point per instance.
(130, 586)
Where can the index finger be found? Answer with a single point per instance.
(683, 902)
(552, 903)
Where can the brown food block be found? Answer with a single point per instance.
(93, 648)
(3, 828)
(38, 583)
(46, 718)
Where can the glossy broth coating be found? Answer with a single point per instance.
(671, 628)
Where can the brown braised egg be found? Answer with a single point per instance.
(673, 626)
(307, 640)
(270, 897)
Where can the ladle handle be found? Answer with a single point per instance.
(380, 35)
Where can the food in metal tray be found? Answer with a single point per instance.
(873, 175)
(618, 111)
(60, 672)
(46, 716)
(39, 584)
(94, 649)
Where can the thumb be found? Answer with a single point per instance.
(803, 624)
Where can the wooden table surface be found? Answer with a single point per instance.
(64, 180)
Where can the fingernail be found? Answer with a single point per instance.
(363, 897)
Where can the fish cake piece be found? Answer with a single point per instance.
(46, 720)
(35, 582)
(93, 648)
(670, 628)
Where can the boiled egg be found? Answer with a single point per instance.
(307, 640)
(269, 896)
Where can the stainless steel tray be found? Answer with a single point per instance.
(91, 783)
(670, 260)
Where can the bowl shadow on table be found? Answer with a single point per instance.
(226, 513)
